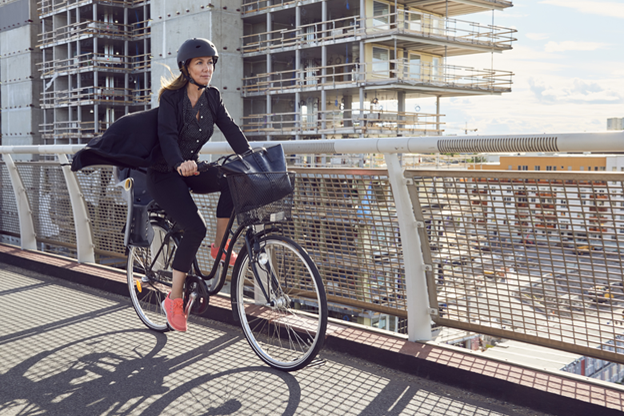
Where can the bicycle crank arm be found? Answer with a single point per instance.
(190, 302)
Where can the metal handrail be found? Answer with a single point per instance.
(520, 255)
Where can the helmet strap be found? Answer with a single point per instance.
(191, 80)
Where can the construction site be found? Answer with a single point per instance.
(287, 70)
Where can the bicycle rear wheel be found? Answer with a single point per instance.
(149, 277)
(285, 324)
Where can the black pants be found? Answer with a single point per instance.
(172, 192)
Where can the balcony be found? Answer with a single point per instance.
(437, 35)
(411, 30)
(455, 8)
(343, 122)
(50, 7)
(309, 35)
(439, 7)
(95, 95)
(90, 28)
(443, 80)
(89, 62)
(70, 130)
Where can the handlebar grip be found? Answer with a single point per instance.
(203, 166)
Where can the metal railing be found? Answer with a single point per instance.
(420, 25)
(383, 73)
(90, 95)
(76, 31)
(346, 121)
(531, 256)
(88, 62)
(45, 7)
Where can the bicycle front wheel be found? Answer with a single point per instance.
(282, 311)
(149, 276)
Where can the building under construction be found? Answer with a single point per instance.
(287, 70)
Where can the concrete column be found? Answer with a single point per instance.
(269, 65)
(361, 74)
(438, 113)
(78, 80)
(297, 67)
(125, 52)
(96, 126)
(400, 109)
(324, 72)
(363, 14)
(298, 119)
(348, 114)
(362, 122)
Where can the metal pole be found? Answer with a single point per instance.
(84, 240)
(28, 240)
(418, 319)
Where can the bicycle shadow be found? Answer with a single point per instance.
(127, 371)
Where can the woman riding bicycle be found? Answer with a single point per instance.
(189, 108)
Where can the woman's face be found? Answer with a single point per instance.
(201, 69)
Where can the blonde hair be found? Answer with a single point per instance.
(171, 83)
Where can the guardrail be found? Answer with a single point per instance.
(531, 256)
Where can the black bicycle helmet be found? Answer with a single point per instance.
(194, 48)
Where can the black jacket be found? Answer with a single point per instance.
(139, 139)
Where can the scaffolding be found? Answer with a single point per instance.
(95, 68)
(325, 59)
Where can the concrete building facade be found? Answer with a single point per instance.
(19, 77)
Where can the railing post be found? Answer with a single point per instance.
(418, 319)
(84, 239)
(28, 238)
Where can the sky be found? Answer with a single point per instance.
(568, 62)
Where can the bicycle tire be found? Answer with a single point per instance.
(148, 288)
(288, 331)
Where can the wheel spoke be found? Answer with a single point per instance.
(145, 264)
(287, 331)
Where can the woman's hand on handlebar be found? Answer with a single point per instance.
(188, 168)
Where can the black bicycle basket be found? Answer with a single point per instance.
(261, 198)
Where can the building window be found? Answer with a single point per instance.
(549, 168)
(414, 66)
(537, 167)
(381, 13)
(511, 168)
(413, 21)
(435, 69)
(381, 62)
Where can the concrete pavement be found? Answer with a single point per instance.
(68, 349)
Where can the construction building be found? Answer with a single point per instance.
(340, 69)
(95, 66)
(287, 70)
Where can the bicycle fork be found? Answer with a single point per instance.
(264, 277)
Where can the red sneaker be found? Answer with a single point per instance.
(174, 311)
(214, 250)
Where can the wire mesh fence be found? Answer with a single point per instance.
(528, 256)
(531, 256)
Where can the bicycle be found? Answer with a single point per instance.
(277, 294)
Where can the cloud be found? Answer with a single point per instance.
(570, 45)
(575, 91)
(602, 8)
(537, 36)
